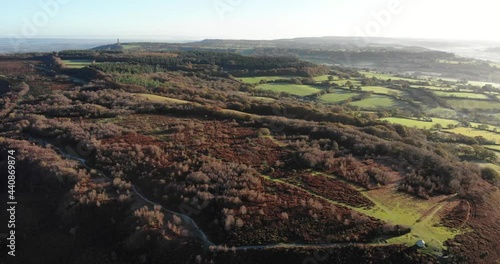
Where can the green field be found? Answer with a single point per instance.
(418, 123)
(338, 96)
(379, 102)
(294, 89)
(257, 79)
(472, 104)
(461, 95)
(471, 132)
(381, 90)
(76, 64)
(419, 214)
(398, 208)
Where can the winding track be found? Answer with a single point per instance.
(198, 232)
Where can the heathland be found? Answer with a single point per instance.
(175, 156)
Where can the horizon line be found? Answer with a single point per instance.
(190, 38)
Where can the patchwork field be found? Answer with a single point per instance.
(471, 132)
(461, 95)
(379, 102)
(294, 89)
(381, 90)
(474, 104)
(420, 124)
(339, 96)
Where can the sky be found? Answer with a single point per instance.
(249, 19)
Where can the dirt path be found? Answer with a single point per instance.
(198, 232)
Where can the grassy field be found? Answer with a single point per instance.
(419, 124)
(160, 99)
(472, 104)
(379, 102)
(461, 95)
(471, 132)
(338, 96)
(76, 64)
(421, 215)
(401, 209)
(381, 90)
(294, 89)
(257, 79)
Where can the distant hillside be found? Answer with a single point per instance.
(386, 54)
(23, 45)
(323, 43)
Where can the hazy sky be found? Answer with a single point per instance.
(249, 19)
